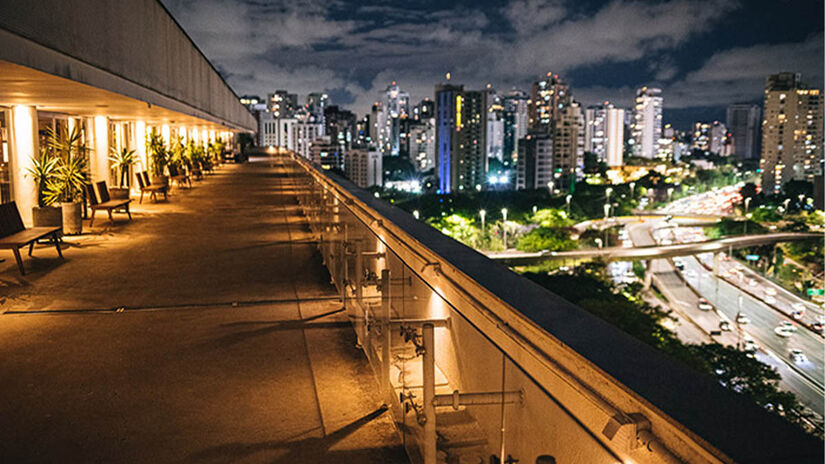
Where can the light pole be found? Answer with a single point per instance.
(607, 192)
(786, 203)
(551, 187)
(747, 205)
(567, 200)
(632, 189)
(607, 227)
(504, 226)
(483, 214)
(416, 214)
(670, 194)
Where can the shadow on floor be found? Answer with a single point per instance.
(314, 449)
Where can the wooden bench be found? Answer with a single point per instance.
(146, 186)
(181, 177)
(100, 200)
(14, 235)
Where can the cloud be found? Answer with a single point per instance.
(354, 51)
(739, 74)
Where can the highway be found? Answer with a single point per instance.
(804, 380)
(645, 252)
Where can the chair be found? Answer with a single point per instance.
(146, 186)
(100, 200)
(182, 178)
(14, 235)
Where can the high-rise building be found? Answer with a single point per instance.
(604, 133)
(363, 166)
(495, 126)
(316, 103)
(547, 97)
(534, 169)
(282, 104)
(421, 144)
(647, 122)
(568, 146)
(340, 126)
(461, 128)
(516, 122)
(791, 132)
(701, 137)
(743, 121)
(424, 110)
(394, 109)
(718, 138)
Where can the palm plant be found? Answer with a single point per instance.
(121, 162)
(43, 171)
(70, 173)
(157, 153)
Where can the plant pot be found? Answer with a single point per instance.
(119, 193)
(47, 216)
(72, 221)
(160, 180)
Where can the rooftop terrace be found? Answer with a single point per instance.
(232, 346)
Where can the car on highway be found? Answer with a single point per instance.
(798, 356)
(704, 305)
(770, 291)
(785, 329)
(742, 319)
(770, 300)
(724, 326)
(750, 345)
(752, 282)
(818, 327)
(797, 314)
(799, 307)
(680, 265)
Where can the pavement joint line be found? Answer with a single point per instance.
(121, 309)
(282, 165)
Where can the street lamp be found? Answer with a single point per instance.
(632, 189)
(786, 202)
(607, 192)
(606, 210)
(598, 242)
(504, 226)
(567, 200)
(483, 215)
(670, 194)
(416, 214)
(747, 205)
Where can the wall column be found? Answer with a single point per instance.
(97, 131)
(24, 147)
(140, 145)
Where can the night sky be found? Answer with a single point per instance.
(703, 54)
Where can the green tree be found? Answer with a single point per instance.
(545, 238)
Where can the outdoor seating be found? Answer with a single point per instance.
(147, 187)
(181, 177)
(14, 235)
(99, 199)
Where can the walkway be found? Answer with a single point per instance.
(230, 348)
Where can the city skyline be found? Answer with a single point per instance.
(718, 56)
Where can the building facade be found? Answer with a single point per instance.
(534, 169)
(744, 123)
(791, 132)
(363, 166)
(604, 133)
(647, 122)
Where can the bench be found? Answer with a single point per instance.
(181, 177)
(14, 235)
(100, 200)
(146, 186)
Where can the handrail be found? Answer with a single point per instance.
(617, 405)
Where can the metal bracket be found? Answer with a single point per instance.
(457, 399)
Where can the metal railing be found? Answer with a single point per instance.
(463, 355)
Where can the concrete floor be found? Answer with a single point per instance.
(231, 347)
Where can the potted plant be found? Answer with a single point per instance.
(121, 161)
(159, 156)
(43, 170)
(70, 176)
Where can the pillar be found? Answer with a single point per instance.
(648, 275)
(386, 334)
(97, 131)
(717, 258)
(24, 147)
(428, 374)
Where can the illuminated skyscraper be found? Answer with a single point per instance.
(282, 104)
(515, 123)
(647, 122)
(461, 128)
(791, 132)
(604, 133)
(547, 97)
